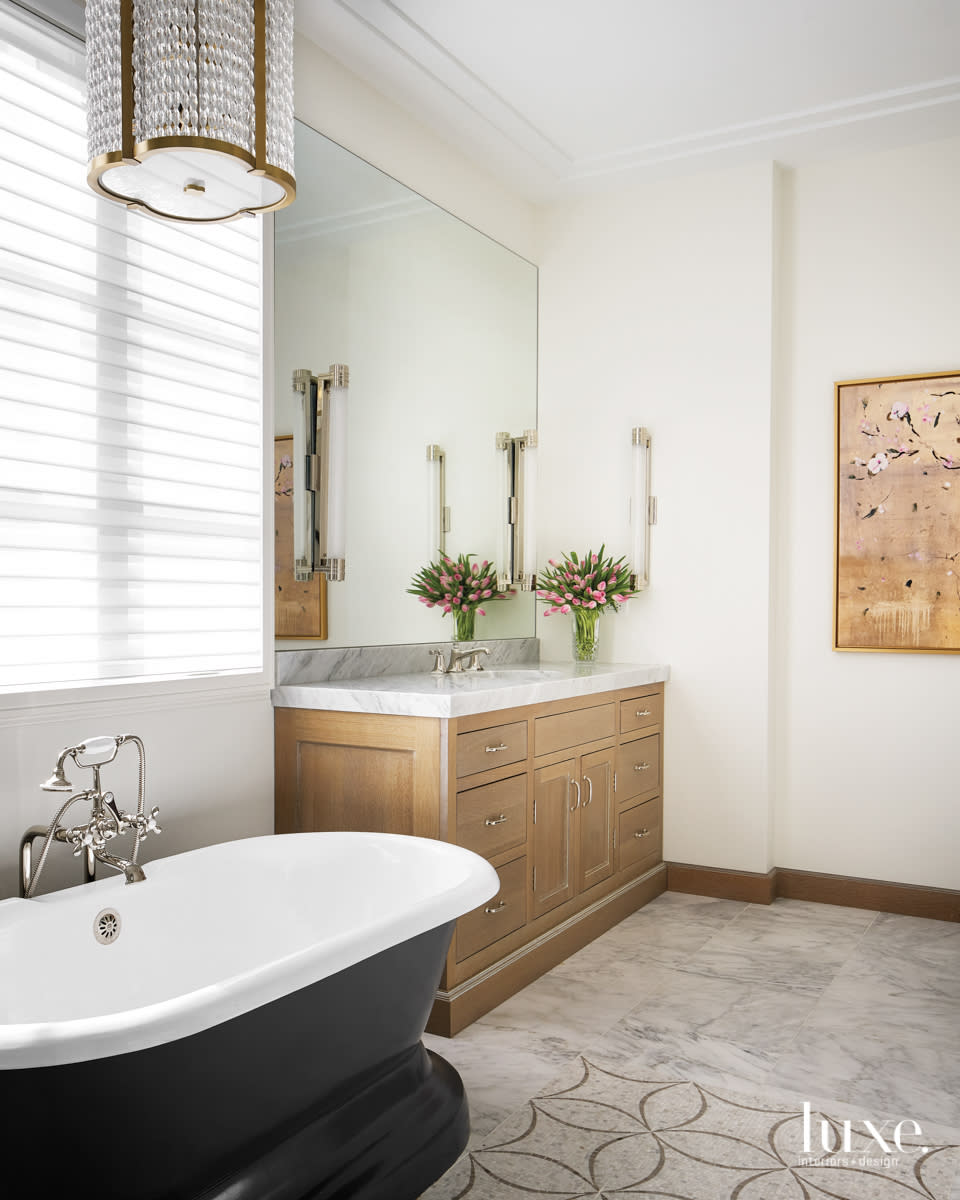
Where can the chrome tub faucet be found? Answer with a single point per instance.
(106, 821)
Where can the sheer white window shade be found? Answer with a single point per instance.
(130, 410)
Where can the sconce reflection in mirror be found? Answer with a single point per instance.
(518, 531)
(319, 462)
(643, 508)
(438, 515)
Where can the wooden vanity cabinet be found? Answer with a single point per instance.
(572, 828)
(562, 798)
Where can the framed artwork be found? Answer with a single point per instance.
(898, 514)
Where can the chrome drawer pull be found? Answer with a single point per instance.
(496, 820)
(642, 834)
(576, 784)
(644, 713)
(642, 767)
(589, 799)
(496, 908)
(494, 749)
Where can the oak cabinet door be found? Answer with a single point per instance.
(554, 803)
(595, 841)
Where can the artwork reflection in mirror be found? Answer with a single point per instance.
(439, 326)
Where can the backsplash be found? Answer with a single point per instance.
(361, 662)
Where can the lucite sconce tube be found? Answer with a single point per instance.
(643, 507)
(319, 463)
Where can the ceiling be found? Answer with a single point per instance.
(555, 97)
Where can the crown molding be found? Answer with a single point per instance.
(380, 41)
(777, 129)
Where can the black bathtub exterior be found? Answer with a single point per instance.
(326, 1093)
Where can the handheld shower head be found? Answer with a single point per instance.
(95, 751)
(58, 782)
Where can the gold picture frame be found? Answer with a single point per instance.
(897, 524)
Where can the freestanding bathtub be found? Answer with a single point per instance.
(243, 1025)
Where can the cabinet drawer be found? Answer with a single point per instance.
(574, 728)
(641, 712)
(494, 747)
(493, 817)
(638, 767)
(640, 834)
(503, 914)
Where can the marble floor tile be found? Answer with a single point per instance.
(813, 913)
(691, 1056)
(629, 948)
(879, 1066)
(569, 1009)
(916, 987)
(706, 910)
(788, 944)
(720, 1029)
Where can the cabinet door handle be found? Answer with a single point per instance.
(576, 784)
(589, 799)
(642, 833)
(496, 820)
(641, 766)
(490, 910)
(643, 712)
(494, 749)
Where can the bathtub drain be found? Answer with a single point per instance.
(106, 926)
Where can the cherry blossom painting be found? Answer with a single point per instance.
(898, 514)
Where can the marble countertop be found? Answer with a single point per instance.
(460, 695)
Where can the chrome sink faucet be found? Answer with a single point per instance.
(106, 822)
(457, 659)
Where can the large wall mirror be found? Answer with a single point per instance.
(438, 325)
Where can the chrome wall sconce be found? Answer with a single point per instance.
(643, 508)
(190, 106)
(517, 558)
(438, 514)
(319, 464)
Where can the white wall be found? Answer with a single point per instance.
(719, 310)
(209, 768)
(867, 744)
(656, 310)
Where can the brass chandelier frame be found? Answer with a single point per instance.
(133, 153)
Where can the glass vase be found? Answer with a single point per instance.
(586, 634)
(464, 622)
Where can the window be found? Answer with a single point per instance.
(130, 409)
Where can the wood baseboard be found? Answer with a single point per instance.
(749, 886)
(907, 899)
(454, 1010)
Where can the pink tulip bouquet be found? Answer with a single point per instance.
(457, 586)
(585, 586)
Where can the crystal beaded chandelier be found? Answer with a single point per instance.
(190, 105)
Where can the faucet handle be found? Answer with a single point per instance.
(475, 658)
(438, 667)
(83, 837)
(148, 823)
